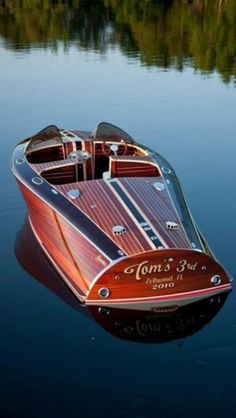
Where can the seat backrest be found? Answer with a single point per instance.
(133, 167)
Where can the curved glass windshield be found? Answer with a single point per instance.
(47, 137)
(108, 132)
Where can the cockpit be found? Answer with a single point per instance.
(67, 156)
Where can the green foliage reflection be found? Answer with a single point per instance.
(164, 33)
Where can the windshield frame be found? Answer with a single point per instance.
(107, 132)
(49, 136)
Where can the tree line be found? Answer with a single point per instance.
(163, 33)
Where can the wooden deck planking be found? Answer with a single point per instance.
(158, 208)
(100, 204)
(109, 211)
(39, 168)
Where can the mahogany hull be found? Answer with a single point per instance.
(131, 325)
(157, 260)
(146, 281)
(77, 261)
(164, 278)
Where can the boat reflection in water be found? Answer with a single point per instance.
(141, 326)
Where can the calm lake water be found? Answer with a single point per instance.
(164, 71)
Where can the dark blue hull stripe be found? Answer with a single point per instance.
(133, 209)
(64, 207)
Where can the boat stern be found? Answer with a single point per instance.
(159, 279)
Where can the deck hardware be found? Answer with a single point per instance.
(85, 155)
(118, 229)
(79, 157)
(216, 280)
(159, 186)
(37, 180)
(104, 292)
(103, 310)
(75, 157)
(68, 137)
(163, 256)
(144, 224)
(67, 133)
(73, 193)
(20, 161)
(166, 170)
(172, 225)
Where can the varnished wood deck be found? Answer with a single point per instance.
(102, 205)
(98, 201)
(105, 208)
(77, 234)
(158, 208)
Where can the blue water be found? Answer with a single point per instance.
(55, 361)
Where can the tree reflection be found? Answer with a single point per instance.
(164, 33)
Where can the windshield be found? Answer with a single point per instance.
(47, 137)
(107, 131)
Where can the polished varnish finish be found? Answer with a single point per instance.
(47, 166)
(76, 258)
(161, 325)
(165, 276)
(112, 219)
(32, 258)
(102, 204)
(66, 174)
(158, 207)
(98, 201)
(128, 166)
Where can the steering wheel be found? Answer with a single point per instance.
(113, 148)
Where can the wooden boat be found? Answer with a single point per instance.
(132, 325)
(111, 216)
